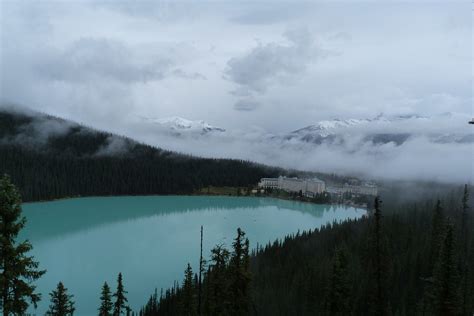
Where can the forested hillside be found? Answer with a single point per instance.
(49, 158)
(405, 259)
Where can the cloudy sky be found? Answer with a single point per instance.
(278, 65)
(257, 69)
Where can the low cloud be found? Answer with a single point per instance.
(38, 131)
(419, 157)
(115, 145)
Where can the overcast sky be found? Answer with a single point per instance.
(277, 65)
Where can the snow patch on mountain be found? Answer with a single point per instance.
(180, 125)
(381, 129)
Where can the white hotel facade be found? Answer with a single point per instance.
(309, 187)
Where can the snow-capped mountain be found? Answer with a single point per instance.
(324, 131)
(379, 130)
(178, 125)
(326, 128)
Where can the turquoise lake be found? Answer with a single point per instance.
(86, 241)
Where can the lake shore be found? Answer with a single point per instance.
(218, 191)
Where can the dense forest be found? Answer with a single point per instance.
(404, 259)
(49, 158)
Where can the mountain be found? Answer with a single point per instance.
(49, 158)
(378, 130)
(334, 131)
(326, 128)
(178, 126)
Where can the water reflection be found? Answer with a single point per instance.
(50, 219)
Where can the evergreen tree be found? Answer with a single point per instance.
(189, 295)
(240, 275)
(338, 299)
(17, 270)
(61, 302)
(120, 299)
(437, 232)
(378, 265)
(445, 283)
(464, 215)
(465, 269)
(106, 304)
(201, 271)
(218, 295)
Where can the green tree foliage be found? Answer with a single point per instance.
(120, 306)
(377, 264)
(339, 292)
(106, 304)
(61, 302)
(18, 271)
(467, 270)
(240, 275)
(445, 284)
(188, 306)
(437, 231)
(465, 212)
(226, 286)
(217, 294)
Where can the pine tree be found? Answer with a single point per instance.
(189, 295)
(464, 215)
(17, 270)
(465, 269)
(120, 299)
(202, 263)
(61, 302)
(437, 231)
(106, 304)
(378, 265)
(338, 300)
(240, 275)
(445, 286)
(218, 292)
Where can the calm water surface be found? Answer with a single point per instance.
(86, 241)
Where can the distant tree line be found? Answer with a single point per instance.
(71, 164)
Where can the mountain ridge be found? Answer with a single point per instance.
(381, 129)
(50, 158)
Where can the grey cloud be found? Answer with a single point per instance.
(39, 130)
(340, 36)
(99, 58)
(418, 158)
(246, 105)
(257, 14)
(264, 64)
(115, 145)
(180, 73)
